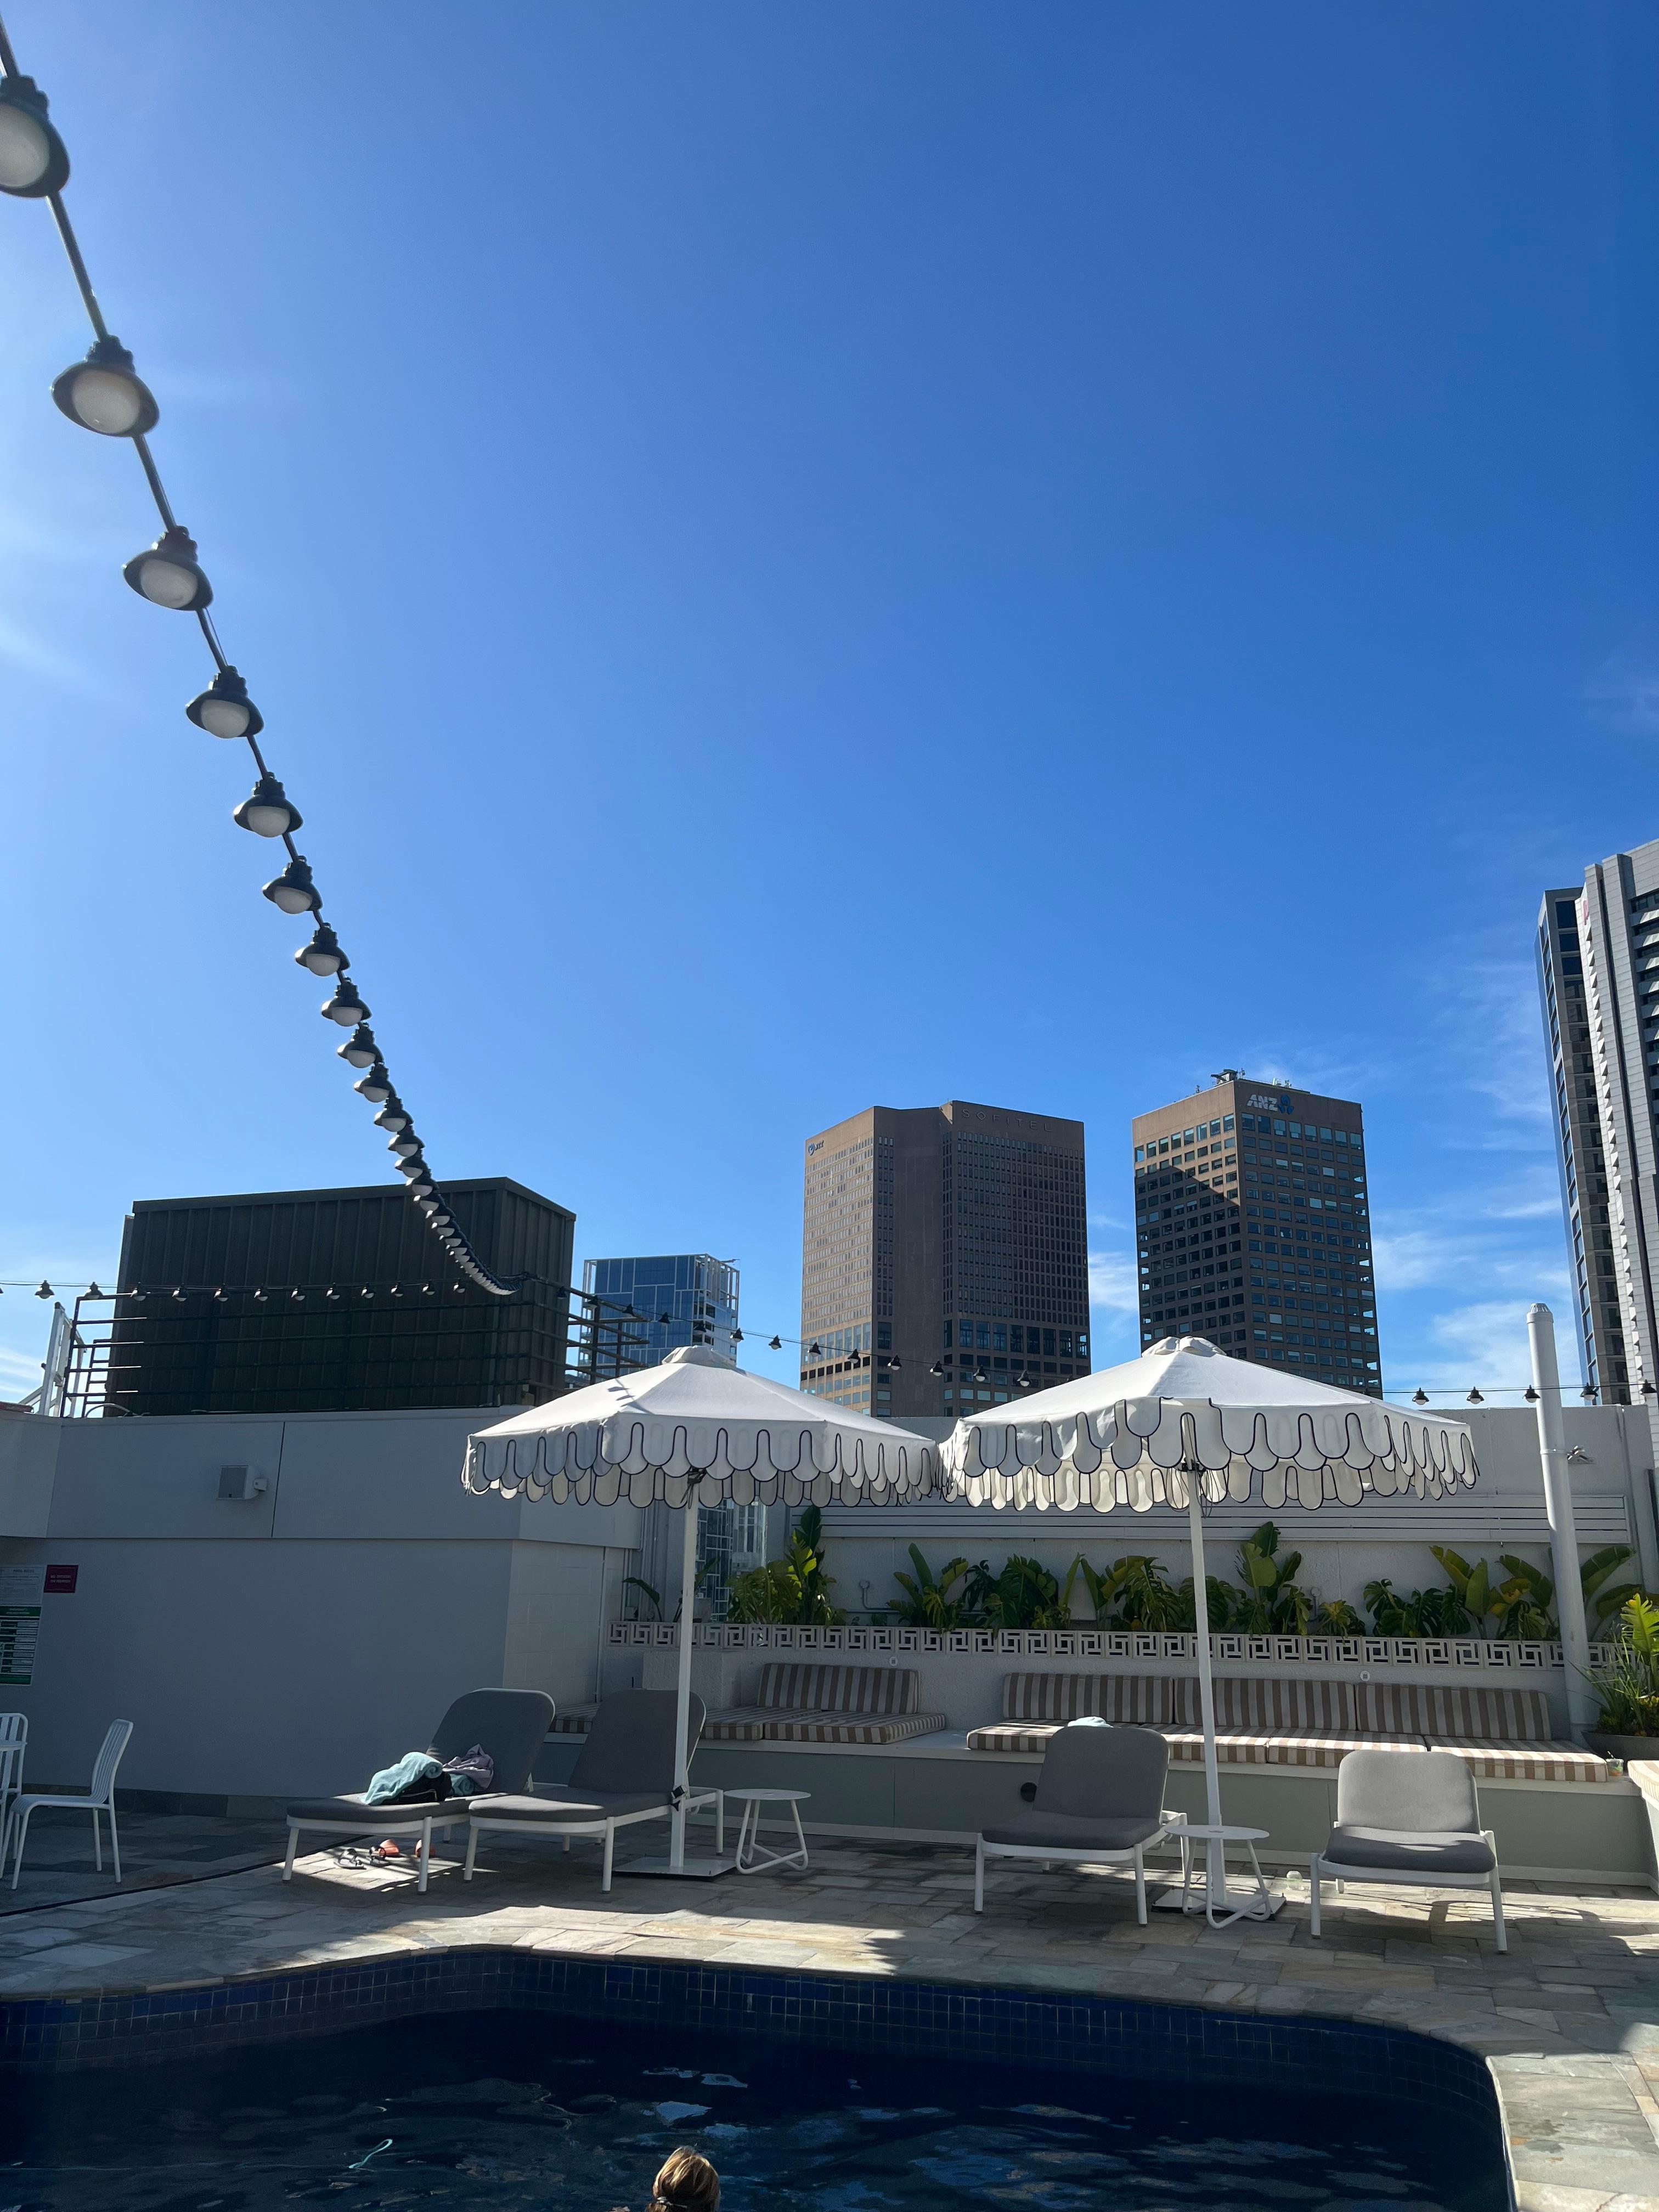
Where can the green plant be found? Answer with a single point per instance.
(794, 1588)
(1132, 1593)
(928, 1599)
(1522, 1605)
(632, 1582)
(1628, 1692)
(1600, 1601)
(1437, 1611)
(1101, 1588)
(1023, 1595)
(1271, 1603)
(1334, 1616)
(1223, 1604)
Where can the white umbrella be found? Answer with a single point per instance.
(1183, 1425)
(696, 1430)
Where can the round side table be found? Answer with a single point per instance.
(1254, 1902)
(752, 1857)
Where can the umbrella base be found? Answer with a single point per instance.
(695, 1869)
(1240, 1900)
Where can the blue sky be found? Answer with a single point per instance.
(797, 557)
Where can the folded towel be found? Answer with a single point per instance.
(417, 1778)
(473, 1771)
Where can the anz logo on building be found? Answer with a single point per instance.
(1274, 1101)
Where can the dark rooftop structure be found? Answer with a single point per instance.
(337, 1301)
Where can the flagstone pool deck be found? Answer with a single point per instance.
(1568, 2018)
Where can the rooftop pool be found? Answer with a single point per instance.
(824, 2095)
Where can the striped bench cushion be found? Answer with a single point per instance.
(745, 1723)
(1484, 1714)
(1246, 1748)
(1476, 1712)
(800, 1688)
(896, 1728)
(1527, 1762)
(1014, 1735)
(573, 1720)
(1145, 1700)
(1277, 1708)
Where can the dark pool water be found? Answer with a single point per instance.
(504, 2110)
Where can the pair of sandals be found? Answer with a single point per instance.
(353, 1854)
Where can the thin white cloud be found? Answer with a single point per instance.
(18, 1374)
(1482, 1345)
(1114, 1282)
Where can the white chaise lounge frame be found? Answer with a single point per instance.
(527, 1825)
(1320, 1870)
(1096, 1854)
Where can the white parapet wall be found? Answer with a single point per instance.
(292, 1639)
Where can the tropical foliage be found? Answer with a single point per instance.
(1628, 1692)
(1136, 1592)
(794, 1588)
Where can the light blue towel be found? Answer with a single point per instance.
(392, 1781)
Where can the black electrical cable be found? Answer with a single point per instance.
(496, 1285)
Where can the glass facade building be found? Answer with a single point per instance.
(1597, 948)
(945, 1261)
(677, 1297)
(1581, 1158)
(1253, 1228)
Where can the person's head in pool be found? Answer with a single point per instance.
(685, 2182)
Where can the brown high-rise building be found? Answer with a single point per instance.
(946, 1260)
(1252, 1223)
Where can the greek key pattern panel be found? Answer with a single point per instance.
(1453, 1652)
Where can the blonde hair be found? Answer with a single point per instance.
(685, 2182)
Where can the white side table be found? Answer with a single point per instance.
(752, 1857)
(1249, 1901)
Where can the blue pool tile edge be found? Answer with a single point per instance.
(1079, 2035)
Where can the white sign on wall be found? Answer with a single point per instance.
(20, 1589)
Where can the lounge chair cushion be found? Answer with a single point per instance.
(1421, 1852)
(512, 1725)
(1071, 1832)
(629, 1745)
(572, 1808)
(383, 1819)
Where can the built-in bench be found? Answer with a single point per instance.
(1505, 1734)
(828, 1705)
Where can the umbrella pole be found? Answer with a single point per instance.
(1214, 1858)
(682, 1688)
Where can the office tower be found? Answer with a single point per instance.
(1580, 1153)
(1598, 954)
(635, 1312)
(337, 1301)
(1252, 1223)
(945, 1258)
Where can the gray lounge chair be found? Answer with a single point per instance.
(1408, 1816)
(624, 1773)
(512, 1725)
(1099, 1800)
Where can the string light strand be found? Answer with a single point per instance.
(105, 394)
